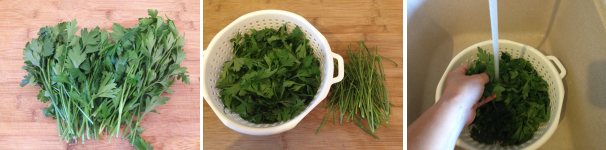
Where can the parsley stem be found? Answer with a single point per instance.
(329, 110)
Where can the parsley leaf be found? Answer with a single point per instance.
(76, 55)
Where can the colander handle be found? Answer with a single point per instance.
(559, 65)
(340, 66)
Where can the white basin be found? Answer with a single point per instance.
(573, 31)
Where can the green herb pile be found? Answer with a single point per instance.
(96, 83)
(272, 76)
(522, 102)
(362, 93)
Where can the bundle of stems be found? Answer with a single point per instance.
(362, 94)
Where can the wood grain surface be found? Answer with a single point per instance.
(22, 125)
(378, 23)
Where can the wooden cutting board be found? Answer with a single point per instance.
(378, 23)
(22, 125)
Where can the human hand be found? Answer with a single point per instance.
(466, 90)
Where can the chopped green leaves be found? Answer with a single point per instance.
(267, 81)
(522, 102)
(97, 83)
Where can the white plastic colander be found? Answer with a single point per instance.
(220, 50)
(544, 68)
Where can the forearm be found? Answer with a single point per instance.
(440, 126)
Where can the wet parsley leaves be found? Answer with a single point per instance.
(522, 102)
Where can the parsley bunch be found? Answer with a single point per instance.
(97, 83)
(272, 77)
(522, 102)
